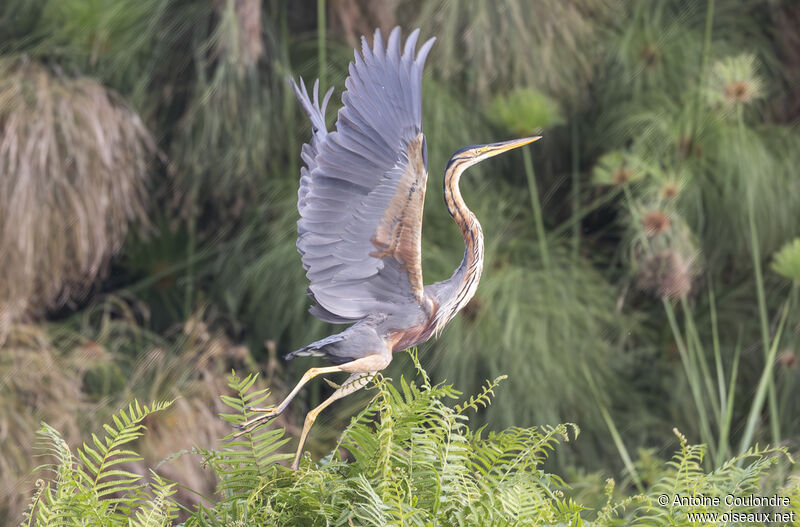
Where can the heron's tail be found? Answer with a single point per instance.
(315, 348)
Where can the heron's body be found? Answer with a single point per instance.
(360, 200)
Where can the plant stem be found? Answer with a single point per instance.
(288, 97)
(764, 383)
(626, 189)
(774, 416)
(707, 34)
(577, 216)
(725, 408)
(699, 356)
(715, 343)
(576, 187)
(537, 207)
(321, 48)
(724, 439)
(694, 385)
(789, 380)
(191, 247)
(706, 53)
(612, 428)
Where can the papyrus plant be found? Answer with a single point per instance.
(73, 162)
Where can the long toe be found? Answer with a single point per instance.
(255, 422)
(259, 419)
(245, 430)
(262, 410)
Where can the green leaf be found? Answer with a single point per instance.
(525, 112)
(786, 261)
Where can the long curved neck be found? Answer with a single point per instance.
(464, 282)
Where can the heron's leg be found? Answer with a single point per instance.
(355, 382)
(270, 413)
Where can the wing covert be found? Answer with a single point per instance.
(363, 188)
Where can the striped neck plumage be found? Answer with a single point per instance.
(468, 274)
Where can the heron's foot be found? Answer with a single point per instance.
(265, 416)
(296, 463)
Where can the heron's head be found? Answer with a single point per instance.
(474, 154)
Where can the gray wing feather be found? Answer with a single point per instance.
(352, 175)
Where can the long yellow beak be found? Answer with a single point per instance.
(498, 148)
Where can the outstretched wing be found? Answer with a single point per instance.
(362, 190)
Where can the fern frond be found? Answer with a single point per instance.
(482, 399)
(68, 496)
(90, 486)
(101, 460)
(370, 508)
(29, 516)
(414, 354)
(160, 510)
(739, 476)
(243, 462)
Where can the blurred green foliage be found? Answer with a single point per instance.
(524, 112)
(787, 260)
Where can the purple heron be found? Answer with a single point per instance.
(360, 201)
